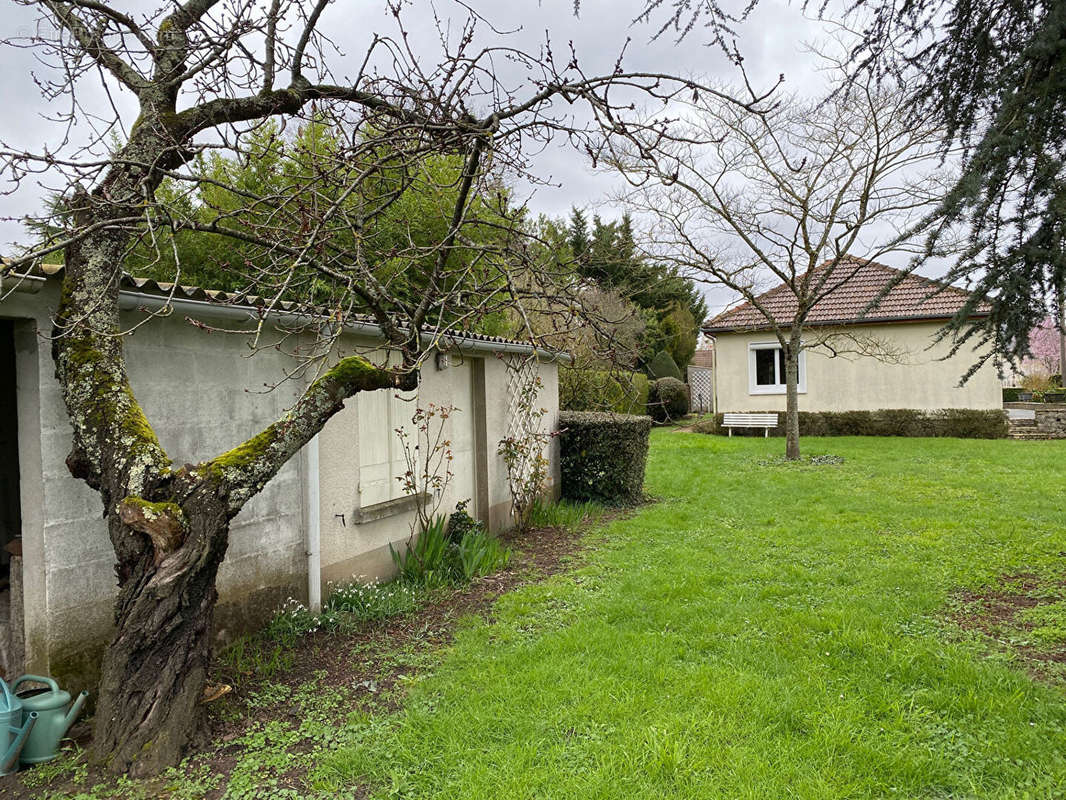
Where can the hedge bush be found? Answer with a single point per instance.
(962, 423)
(668, 399)
(602, 456)
(1010, 394)
(600, 390)
(663, 365)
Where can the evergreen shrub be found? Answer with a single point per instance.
(602, 390)
(962, 423)
(668, 399)
(602, 456)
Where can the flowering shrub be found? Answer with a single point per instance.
(523, 450)
(428, 458)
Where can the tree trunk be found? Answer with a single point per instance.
(792, 352)
(169, 527)
(154, 669)
(1062, 333)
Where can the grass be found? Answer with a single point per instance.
(567, 515)
(766, 630)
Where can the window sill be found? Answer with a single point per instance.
(390, 508)
(773, 390)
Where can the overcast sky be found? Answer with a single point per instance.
(771, 41)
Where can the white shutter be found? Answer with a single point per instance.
(381, 455)
(375, 433)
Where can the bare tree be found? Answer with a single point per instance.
(791, 196)
(204, 76)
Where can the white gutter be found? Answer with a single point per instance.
(313, 525)
(133, 300)
(714, 375)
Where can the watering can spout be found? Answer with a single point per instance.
(75, 709)
(9, 760)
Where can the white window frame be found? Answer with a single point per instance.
(776, 388)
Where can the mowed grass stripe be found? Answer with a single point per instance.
(764, 630)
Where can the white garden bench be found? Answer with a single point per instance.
(764, 421)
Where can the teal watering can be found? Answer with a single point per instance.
(55, 714)
(15, 727)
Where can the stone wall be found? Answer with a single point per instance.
(1043, 420)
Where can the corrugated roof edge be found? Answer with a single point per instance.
(213, 300)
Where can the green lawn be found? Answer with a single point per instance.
(763, 631)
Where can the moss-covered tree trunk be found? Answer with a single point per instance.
(169, 527)
(153, 672)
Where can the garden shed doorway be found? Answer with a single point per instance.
(10, 512)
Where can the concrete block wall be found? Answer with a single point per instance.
(204, 395)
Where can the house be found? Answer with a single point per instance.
(329, 515)
(886, 357)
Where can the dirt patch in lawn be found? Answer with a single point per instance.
(1025, 612)
(334, 673)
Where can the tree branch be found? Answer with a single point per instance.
(243, 471)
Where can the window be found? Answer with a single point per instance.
(766, 369)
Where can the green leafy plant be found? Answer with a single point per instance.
(460, 523)
(436, 559)
(563, 514)
(478, 553)
(424, 561)
(372, 601)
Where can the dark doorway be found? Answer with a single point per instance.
(10, 514)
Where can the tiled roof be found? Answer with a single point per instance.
(856, 284)
(154, 288)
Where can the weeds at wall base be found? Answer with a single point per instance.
(299, 695)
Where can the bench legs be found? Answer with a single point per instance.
(766, 433)
(730, 433)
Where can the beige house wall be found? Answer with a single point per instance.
(850, 382)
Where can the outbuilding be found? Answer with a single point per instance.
(329, 515)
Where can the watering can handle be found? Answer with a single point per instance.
(36, 679)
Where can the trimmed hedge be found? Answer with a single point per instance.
(663, 365)
(963, 423)
(602, 456)
(1010, 394)
(668, 400)
(600, 390)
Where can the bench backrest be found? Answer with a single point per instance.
(750, 420)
